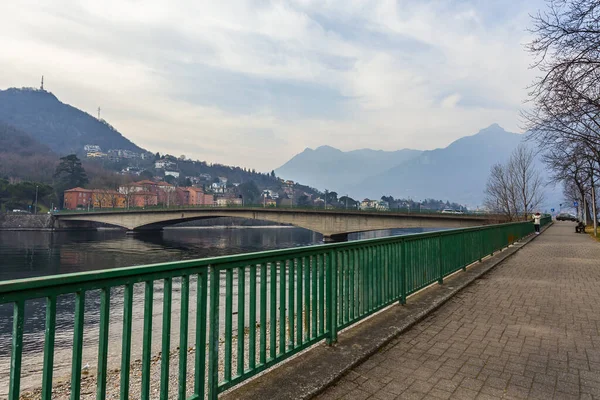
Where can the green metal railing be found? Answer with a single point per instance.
(545, 220)
(252, 311)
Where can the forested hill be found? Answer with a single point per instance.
(61, 127)
(21, 156)
(15, 141)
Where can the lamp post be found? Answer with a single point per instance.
(36, 197)
(346, 201)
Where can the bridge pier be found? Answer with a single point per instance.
(338, 237)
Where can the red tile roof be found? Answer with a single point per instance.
(78, 189)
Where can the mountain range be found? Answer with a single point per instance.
(63, 128)
(328, 167)
(458, 172)
(36, 128)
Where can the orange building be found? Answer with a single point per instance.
(108, 199)
(77, 198)
(93, 198)
(146, 193)
(193, 196)
(166, 193)
(141, 199)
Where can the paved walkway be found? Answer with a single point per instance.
(528, 329)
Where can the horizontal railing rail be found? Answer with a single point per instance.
(251, 311)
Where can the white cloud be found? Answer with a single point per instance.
(252, 82)
(451, 101)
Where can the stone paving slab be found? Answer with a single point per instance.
(528, 329)
(313, 371)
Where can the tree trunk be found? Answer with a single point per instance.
(594, 211)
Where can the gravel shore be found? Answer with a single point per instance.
(62, 387)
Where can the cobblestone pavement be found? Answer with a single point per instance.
(528, 329)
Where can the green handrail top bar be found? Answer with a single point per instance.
(138, 271)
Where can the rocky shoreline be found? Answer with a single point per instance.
(16, 222)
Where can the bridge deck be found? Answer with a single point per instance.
(530, 329)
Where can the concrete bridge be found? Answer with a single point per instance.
(335, 225)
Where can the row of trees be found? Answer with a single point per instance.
(427, 204)
(564, 113)
(23, 195)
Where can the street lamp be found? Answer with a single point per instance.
(36, 196)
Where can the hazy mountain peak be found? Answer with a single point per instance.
(328, 148)
(458, 171)
(492, 129)
(329, 168)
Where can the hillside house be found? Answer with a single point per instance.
(164, 164)
(174, 174)
(224, 201)
(379, 205)
(96, 154)
(91, 148)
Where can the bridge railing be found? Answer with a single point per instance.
(237, 315)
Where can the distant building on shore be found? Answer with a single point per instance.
(139, 194)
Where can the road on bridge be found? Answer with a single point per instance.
(528, 329)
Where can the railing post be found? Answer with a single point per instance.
(440, 264)
(403, 259)
(14, 388)
(463, 251)
(480, 234)
(213, 340)
(332, 299)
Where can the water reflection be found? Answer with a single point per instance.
(29, 254)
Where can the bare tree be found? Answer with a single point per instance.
(515, 189)
(565, 99)
(499, 194)
(526, 180)
(566, 48)
(570, 165)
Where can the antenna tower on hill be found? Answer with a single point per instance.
(42, 86)
(98, 113)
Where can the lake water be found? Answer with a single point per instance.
(33, 254)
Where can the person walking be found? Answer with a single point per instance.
(537, 217)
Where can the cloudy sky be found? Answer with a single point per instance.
(252, 83)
